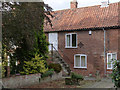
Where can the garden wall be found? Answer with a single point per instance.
(27, 80)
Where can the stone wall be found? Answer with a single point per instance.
(27, 80)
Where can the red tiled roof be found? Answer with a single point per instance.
(87, 17)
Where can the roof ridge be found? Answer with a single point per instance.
(84, 7)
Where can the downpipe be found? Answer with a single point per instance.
(104, 52)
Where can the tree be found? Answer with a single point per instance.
(23, 30)
(21, 23)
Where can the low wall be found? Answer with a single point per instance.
(55, 76)
(27, 80)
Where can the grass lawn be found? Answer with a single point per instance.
(61, 84)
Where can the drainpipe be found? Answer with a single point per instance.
(104, 52)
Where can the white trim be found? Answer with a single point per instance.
(80, 60)
(70, 47)
(107, 60)
(70, 40)
(111, 54)
(74, 60)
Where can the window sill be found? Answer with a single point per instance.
(70, 47)
(109, 68)
(81, 67)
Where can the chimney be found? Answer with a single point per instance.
(73, 4)
(105, 4)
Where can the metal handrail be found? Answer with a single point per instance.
(60, 56)
(65, 55)
(56, 50)
(59, 53)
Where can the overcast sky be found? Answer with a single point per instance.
(65, 4)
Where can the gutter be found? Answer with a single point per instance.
(85, 29)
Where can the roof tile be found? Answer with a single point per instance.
(87, 17)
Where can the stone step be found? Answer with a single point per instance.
(65, 70)
(62, 62)
(68, 70)
(65, 66)
(57, 57)
(60, 59)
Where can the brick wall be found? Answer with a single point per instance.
(112, 43)
(93, 47)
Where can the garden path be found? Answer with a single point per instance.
(104, 83)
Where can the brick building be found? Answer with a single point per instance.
(88, 37)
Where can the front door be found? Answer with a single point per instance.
(53, 39)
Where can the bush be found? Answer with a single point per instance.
(76, 76)
(3, 72)
(36, 65)
(57, 67)
(74, 79)
(116, 73)
(48, 73)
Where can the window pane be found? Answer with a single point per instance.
(73, 40)
(109, 61)
(83, 63)
(77, 61)
(114, 56)
(68, 40)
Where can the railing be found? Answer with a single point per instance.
(58, 52)
(52, 51)
(66, 56)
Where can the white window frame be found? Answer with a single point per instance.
(80, 60)
(111, 59)
(70, 40)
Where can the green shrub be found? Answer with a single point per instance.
(116, 73)
(48, 73)
(57, 67)
(3, 70)
(36, 65)
(76, 76)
